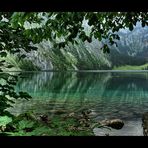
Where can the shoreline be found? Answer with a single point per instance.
(89, 71)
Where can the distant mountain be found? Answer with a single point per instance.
(132, 47)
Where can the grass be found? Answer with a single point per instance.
(131, 67)
(29, 124)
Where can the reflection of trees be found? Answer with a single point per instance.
(62, 85)
(68, 86)
(127, 87)
(71, 88)
(107, 92)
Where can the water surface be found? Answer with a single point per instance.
(109, 95)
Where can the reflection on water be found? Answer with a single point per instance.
(109, 95)
(103, 88)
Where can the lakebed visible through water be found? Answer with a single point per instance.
(109, 95)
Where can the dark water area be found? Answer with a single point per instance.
(108, 95)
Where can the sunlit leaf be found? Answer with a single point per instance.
(5, 120)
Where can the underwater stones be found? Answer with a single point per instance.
(114, 110)
(137, 114)
(123, 112)
(86, 113)
(58, 111)
(93, 113)
(145, 124)
(44, 118)
(84, 123)
(114, 123)
(71, 114)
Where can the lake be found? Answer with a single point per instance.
(108, 95)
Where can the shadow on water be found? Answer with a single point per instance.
(107, 94)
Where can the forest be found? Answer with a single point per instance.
(42, 55)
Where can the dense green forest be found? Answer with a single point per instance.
(63, 41)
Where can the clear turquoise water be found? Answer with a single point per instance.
(121, 95)
(106, 92)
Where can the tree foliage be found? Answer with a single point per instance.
(68, 25)
(52, 25)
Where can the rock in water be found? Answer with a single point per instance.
(114, 123)
(44, 118)
(145, 124)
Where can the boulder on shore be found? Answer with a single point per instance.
(114, 123)
(145, 124)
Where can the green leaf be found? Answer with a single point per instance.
(4, 76)
(25, 124)
(106, 48)
(89, 39)
(10, 66)
(143, 23)
(4, 120)
(131, 27)
(42, 130)
(24, 95)
(3, 54)
(98, 36)
(20, 133)
(3, 61)
(23, 56)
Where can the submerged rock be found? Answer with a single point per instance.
(44, 118)
(58, 112)
(114, 123)
(71, 114)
